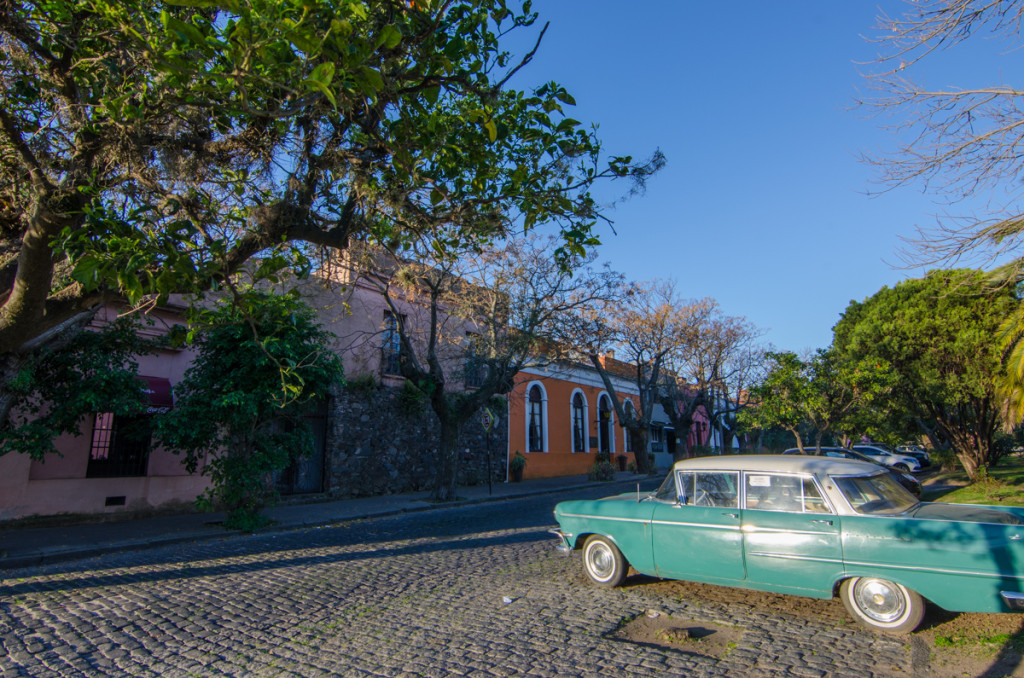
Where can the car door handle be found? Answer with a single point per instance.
(731, 515)
(1016, 537)
(823, 522)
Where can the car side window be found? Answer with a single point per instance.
(719, 489)
(769, 492)
(813, 503)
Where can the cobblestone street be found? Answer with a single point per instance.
(416, 595)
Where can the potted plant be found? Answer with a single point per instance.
(516, 466)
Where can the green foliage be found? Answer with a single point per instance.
(602, 471)
(93, 371)
(701, 451)
(154, 147)
(945, 458)
(518, 462)
(938, 336)
(238, 413)
(364, 384)
(412, 402)
(828, 392)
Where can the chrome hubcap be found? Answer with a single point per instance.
(880, 600)
(601, 561)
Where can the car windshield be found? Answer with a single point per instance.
(876, 494)
(667, 491)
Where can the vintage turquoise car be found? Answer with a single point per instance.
(809, 526)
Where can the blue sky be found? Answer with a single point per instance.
(764, 204)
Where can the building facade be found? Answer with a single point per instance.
(111, 466)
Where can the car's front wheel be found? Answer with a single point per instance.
(882, 605)
(603, 562)
(902, 467)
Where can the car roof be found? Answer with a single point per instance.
(810, 449)
(820, 466)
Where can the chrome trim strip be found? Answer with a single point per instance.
(704, 525)
(776, 530)
(784, 556)
(590, 517)
(931, 570)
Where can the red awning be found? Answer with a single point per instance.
(158, 390)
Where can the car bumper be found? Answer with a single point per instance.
(1013, 600)
(564, 541)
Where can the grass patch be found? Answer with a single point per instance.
(997, 641)
(1004, 485)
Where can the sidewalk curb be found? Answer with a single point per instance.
(49, 556)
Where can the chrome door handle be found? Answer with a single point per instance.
(1016, 537)
(824, 522)
(732, 515)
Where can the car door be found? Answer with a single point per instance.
(791, 536)
(698, 536)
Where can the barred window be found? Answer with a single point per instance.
(120, 446)
(579, 414)
(475, 372)
(536, 419)
(391, 346)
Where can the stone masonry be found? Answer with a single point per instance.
(381, 441)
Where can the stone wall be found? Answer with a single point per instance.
(378, 443)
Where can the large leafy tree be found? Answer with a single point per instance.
(87, 372)
(961, 139)
(825, 392)
(238, 414)
(148, 148)
(936, 334)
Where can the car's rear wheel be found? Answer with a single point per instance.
(882, 605)
(603, 562)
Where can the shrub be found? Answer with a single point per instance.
(945, 458)
(518, 462)
(602, 471)
(364, 384)
(412, 402)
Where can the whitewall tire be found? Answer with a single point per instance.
(603, 562)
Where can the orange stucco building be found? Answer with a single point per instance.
(561, 417)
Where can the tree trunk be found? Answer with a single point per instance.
(799, 442)
(447, 472)
(639, 443)
(672, 446)
(727, 438)
(682, 450)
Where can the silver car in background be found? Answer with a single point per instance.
(886, 456)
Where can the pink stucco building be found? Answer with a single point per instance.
(96, 472)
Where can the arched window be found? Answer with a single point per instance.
(579, 424)
(630, 414)
(535, 419)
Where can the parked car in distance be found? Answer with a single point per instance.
(810, 526)
(912, 484)
(917, 453)
(888, 457)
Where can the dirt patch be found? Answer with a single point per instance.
(654, 628)
(990, 645)
(946, 645)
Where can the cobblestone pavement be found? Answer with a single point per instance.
(416, 595)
